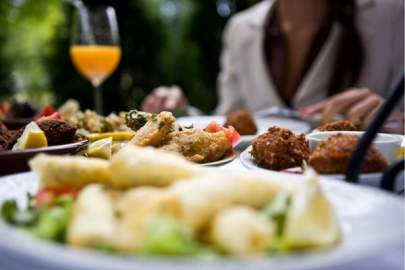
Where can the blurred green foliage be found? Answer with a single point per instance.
(164, 42)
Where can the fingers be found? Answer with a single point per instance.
(364, 108)
(164, 99)
(340, 104)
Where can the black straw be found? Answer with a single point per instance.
(390, 176)
(354, 168)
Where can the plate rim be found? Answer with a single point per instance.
(25, 246)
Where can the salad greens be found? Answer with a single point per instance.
(47, 221)
(277, 212)
(167, 237)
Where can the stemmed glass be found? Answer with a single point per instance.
(95, 49)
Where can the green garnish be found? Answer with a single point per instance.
(136, 120)
(167, 237)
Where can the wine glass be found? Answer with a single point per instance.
(95, 49)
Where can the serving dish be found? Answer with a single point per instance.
(364, 214)
(263, 124)
(370, 179)
(388, 144)
(15, 161)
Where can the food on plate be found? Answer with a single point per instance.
(167, 205)
(89, 121)
(333, 155)
(155, 131)
(279, 149)
(70, 171)
(32, 137)
(197, 145)
(6, 137)
(343, 125)
(242, 121)
(116, 136)
(101, 149)
(57, 132)
(242, 230)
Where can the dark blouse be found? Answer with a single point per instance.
(275, 53)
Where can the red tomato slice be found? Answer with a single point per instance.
(230, 132)
(47, 196)
(55, 116)
(44, 197)
(47, 110)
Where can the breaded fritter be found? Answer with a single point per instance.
(57, 132)
(155, 131)
(243, 122)
(198, 145)
(279, 149)
(339, 126)
(333, 155)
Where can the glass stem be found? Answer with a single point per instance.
(98, 100)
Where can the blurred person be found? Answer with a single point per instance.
(319, 56)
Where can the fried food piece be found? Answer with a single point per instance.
(93, 221)
(137, 166)
(339, 126)
(242, 121)
(70, 171)
(280, 149)
(155, 131)
(241, 230)
(333, 155)
(57, 132)
(6, 138)
(197, 145)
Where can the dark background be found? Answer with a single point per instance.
(158, 49)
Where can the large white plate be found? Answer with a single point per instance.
(371, 179)
(372, 223)
(263, 125)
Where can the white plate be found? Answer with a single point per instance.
(371, 179)
(372, 222)
(228, 158)
(263, 124)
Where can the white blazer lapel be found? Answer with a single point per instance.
(313, 88)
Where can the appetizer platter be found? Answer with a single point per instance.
(146, 206)
(327, 150)
(248, 126)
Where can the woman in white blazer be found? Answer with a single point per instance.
(318, 56)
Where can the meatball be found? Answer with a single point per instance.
(339, 126)
(57, 132)
(280, 149)
(243, 122)
(333, 155)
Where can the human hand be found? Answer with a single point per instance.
(358, 105)
(165, 99)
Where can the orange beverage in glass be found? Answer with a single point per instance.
(95, 62)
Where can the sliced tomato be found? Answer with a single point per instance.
(213, 127)
(44, 197)
(230, 132)
(5, 107)
(54, 116)
(47, 110)
(47, 196)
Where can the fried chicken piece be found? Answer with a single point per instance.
(155, 131)
(333, 155)
(57, 132)
(339, 126)
(197, 145)
(279, 149)
(242, 121)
